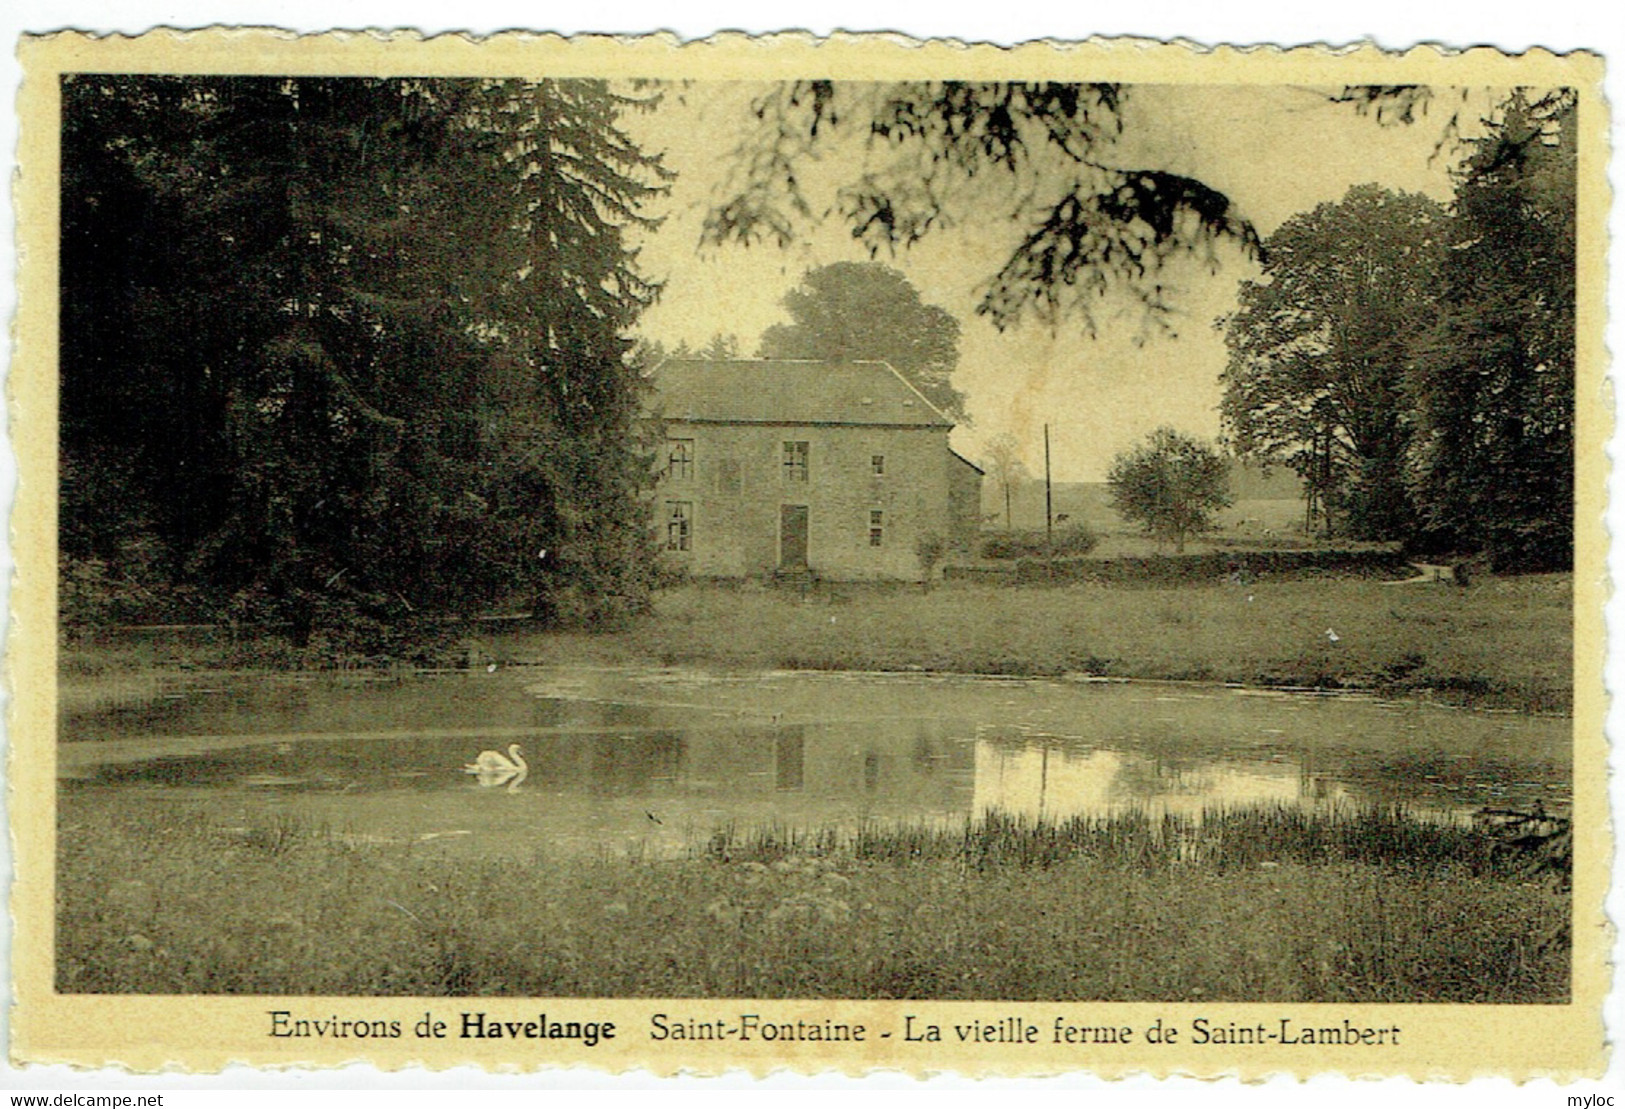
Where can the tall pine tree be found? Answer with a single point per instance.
(350, 349)
(1493, 383)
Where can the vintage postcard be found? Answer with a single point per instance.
(814, 554)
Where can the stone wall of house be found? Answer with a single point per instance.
(736, 484)
(964, 503)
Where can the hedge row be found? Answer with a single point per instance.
(1190, 568)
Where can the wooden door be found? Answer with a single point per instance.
(793, 537)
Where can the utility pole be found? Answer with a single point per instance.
(1049, 503)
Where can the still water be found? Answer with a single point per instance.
(656, 760)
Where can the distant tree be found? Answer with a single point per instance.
(355, 344)
(1004, 465)
(649, 353)
(1320, 347)
(721, 348)
(1170, 485)
(925, 155)
(1493, 381)
(863, 310)
(646, 354)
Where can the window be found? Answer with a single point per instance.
(795, 461)
(679, 459)
(877, 527)
(877, 465)
(679, 518)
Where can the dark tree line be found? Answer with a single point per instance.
(336, 352)
(1492, 386)
(1414, 363)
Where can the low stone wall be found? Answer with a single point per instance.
(1173, 569)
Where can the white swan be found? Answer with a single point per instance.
(492, 768)
(495, 762)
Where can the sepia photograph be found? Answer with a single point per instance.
(819, 539)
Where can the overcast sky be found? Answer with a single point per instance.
(1274, 151)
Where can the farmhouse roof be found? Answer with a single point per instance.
(790, 392)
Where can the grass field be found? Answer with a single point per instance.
(1264, 522)
(1263, 905)
(1505, 642)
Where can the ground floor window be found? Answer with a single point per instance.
(877, 527)
(679, 524)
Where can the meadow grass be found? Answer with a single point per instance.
(1254, 905)
(1503, 642)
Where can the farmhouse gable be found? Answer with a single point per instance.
(839, 470)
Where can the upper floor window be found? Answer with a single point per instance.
(877, 465)
(795, 461)
(877, 527)
(679, 459)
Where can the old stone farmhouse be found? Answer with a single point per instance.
(834, 469)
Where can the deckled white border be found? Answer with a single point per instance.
(1389, 23)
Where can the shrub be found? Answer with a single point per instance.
(1171, 485)
(931, 549)
(1069, 541)
(133, 587)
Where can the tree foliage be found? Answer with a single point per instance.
(864, 310)
(352, 347)
(720, 348)
(649, 353)
(1170, 485)
(1493, 383)
(928, 154)
(1469, 327)
(1319, 351)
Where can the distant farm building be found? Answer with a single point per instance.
(838, 470)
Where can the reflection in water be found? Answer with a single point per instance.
(662, 757)
(789, 758)
(492, 768)
(487, 779)
(1058, 783)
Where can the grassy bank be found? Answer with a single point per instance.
(1261, 905)
(1504, 642)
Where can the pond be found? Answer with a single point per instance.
(656, 760)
